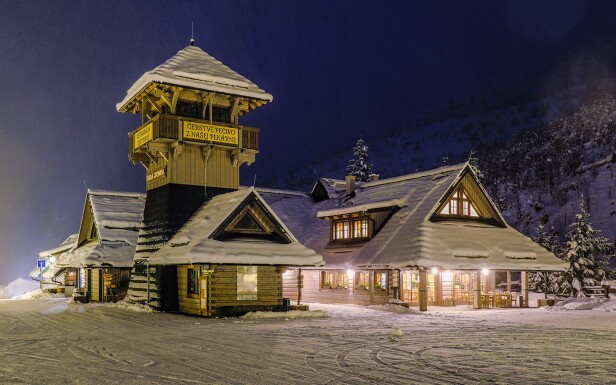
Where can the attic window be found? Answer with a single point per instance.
(350, 229)
(460, 204)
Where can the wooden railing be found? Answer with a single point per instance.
(250, 138)
(166, 128)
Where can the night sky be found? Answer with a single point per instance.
(337, 70)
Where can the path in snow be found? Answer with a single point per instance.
(53, 342)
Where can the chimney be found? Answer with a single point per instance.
(373, 177)
(350, 184)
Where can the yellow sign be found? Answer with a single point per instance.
(142, 136)
(156, 174)
(210, 133)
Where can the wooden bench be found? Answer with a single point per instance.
(596, 291)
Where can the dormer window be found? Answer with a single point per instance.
(350, 229)
(459, 204)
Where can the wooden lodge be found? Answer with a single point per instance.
(430, 238)
(100, 261)
(231, 255)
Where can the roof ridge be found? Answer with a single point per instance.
(416, 175)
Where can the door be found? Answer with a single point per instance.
(203, 294)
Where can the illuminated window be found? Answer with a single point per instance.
(192, 284)
(342, 229)
(246, 283)
(460, 204)
(342, 280)
(380, 280)
(362, 281)
(360, 228)
(327, 279)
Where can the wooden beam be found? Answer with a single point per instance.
(174, 100)
(165, 98)
(153, 103)
(235, 102)
(206, 101)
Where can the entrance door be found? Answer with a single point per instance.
(410, 287)
(203, 293)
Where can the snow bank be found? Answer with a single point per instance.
(37, 294)
(393, 308)
(18, 287)
(126, 305)
(292, 314)
(599, 304)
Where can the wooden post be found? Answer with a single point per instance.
(300, 284)
(508, 282)
(525, 288)
(423, 290)
(477, 291)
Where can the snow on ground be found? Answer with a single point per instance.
(292, 314)
(599, 304)
(126, 305)
(54, 342)
(38, 294)
(18, 287)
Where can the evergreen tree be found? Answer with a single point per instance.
(585, 249)
(359, 165)
(549, 282)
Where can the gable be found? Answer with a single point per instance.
(87, 230)
(466, 199)
(251, 221)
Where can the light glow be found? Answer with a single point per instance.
(485, 271)
(446, 277)
(434, 270)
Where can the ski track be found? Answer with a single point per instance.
(53, 342)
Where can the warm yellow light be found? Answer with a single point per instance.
(350, 273)
(485, 271)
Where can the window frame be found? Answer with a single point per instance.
(459, 201)
(338, 230)
(193, 277)
(247, 294)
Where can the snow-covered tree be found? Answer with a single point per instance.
(585, 253)
(549, 282)
(359, 165)
(473, 161)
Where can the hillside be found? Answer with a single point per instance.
(537, 157)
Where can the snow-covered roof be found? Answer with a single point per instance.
(192, 67)
(194, 242)
(117, 215)
(410, 238)
(67, 244)
(333, 187)
(95, 254)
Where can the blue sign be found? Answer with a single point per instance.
(41, 263)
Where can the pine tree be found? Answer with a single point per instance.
(549, 282)
(585, 249)
(359, 165)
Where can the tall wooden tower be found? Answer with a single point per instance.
(191, 145)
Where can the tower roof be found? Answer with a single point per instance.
(194, 68)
